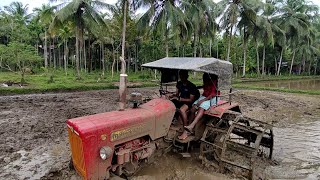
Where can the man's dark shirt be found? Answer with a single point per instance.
(186, 90)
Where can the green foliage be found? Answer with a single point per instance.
(173, 28)
(38, 83)
(18, 56)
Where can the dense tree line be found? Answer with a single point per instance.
(271, 37)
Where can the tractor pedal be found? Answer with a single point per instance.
(185, 155)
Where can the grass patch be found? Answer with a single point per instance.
(39, 83)
(272, 78)
(246, 86)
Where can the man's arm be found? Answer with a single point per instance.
(213, 89)
(205, 99)
(177, 92)
(189, 100)
(193, 91)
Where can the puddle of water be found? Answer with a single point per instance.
(305, 84)
(173, 167)
(30, 165)
(297, 150)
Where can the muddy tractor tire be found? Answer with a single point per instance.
(236, 141)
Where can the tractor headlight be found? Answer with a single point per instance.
(105, 152)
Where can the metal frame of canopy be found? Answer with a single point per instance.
(223, 69)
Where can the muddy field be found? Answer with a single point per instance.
(34, 142)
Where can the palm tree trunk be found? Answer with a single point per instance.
(275, 65)
(280, 62)
(210, 44)
(200, 47)
(136, 59)
(65, 56)
(300, 64)
(217, 48)
(229, 44)
(36, 48)
(244, 55)
(117, 60)
(166, 43)
(195, 44)
(178, 50)
(258, 61)
(292, 60)
(113, 62)
(85, 56)
(123, 76)
(102, 59)
(304, 64)
(263, 60)
(50, 54)
(45, 50)
(315, 67)
(54, 55)
(77, 53)
(309, 68)
(59, 57)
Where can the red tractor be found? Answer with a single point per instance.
(118, 142)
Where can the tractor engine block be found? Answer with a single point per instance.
(129, 155)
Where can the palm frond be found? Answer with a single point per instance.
(101, 5)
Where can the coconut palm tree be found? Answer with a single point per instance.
(16, 17)
(65, 32)
(247, 23)
(202, 16)
(44, 16)
(81, 13)
(295, 23)
(162, 16)
(229, 19)
(19, 11)
(263, 35)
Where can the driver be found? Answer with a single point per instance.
(186, 94)
(203, 103)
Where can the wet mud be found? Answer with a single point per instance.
(34, 142)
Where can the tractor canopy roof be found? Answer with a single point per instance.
(223, 69)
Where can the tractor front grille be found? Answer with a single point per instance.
(77, 152)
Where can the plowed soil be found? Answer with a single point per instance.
(33, 134)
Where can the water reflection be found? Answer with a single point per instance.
(297, 150)
(306, 84)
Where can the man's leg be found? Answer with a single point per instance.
(183, 113)
(192, 114)
(184, 135)
(196, 120)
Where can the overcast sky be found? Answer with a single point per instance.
(37, 3)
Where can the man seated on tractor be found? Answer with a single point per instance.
(204, 102)
(186, 93)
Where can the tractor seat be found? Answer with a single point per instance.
(210, 111)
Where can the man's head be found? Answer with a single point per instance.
(183, 74)
(209, 78)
